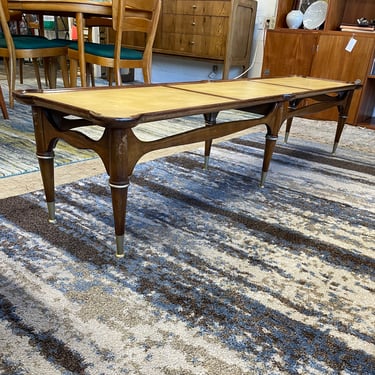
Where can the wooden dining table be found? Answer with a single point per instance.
(68, 8)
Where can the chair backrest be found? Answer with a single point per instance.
(8, 53)
(136, 16)
(4, 4)
(4, 19)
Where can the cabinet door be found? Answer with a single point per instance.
(288, 53)
(333, 61)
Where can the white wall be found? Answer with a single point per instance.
(166, 68)
(266, 10)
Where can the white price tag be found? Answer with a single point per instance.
(352, 42)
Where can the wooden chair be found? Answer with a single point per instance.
(90, 24)
(13, 47)
(3, 105)
(138, 16)
(17, 18)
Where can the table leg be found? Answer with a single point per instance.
(119, 198)
(343, 117)
(117, 162)
(210, 119)
(293, 105)
(46, 165)
(45, 144)
(273, 122)
(287, 129)
(113, 150)
(268, 152)
(340, 127)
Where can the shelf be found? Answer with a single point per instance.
(339, 12)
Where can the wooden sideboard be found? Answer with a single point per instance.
(322, 53)
(214, 30)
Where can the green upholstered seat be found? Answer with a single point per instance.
(107, 50)
(25, 42)
(33, 42)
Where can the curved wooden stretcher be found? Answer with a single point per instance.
(119, 109)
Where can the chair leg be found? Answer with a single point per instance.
(10, 68)
(21, 61)
(110, 76)
(3, 105)
(64, 70)
(37, 73)
(51, 72)
(118, 80)
(90, 76)
(6, 68)
(146, 74)
(45, 67)
(73, 72)
(51, 67)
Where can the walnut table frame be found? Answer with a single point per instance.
(119, 109)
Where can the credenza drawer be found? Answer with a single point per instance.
(200, 7)
(193, 45)
(196, 25)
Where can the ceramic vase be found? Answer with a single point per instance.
(294, 19)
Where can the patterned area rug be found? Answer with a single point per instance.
(221, 277)
(17, 143)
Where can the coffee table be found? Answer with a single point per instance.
(119, 110)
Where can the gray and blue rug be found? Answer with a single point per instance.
(220, 277)
(17, 141)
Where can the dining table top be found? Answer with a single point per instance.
(95, 7)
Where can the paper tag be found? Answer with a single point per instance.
(352, 42)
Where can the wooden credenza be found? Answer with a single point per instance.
(214, 30)
(324, 53)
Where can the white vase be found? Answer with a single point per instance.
(294, 19)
